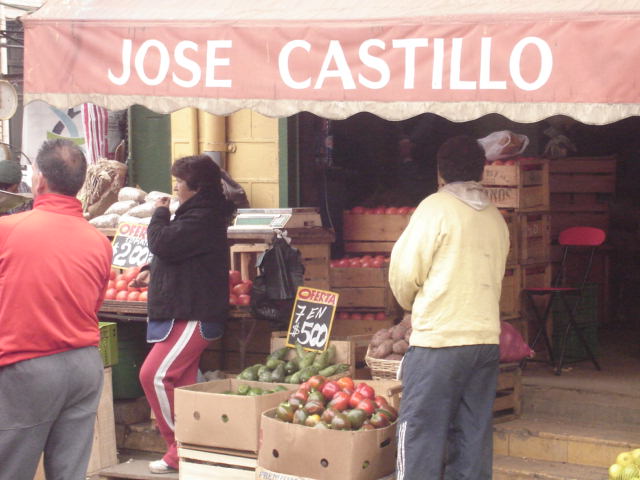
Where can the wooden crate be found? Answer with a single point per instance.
(508, 403)
(511, 219)
(315, 258)
(534, 237)
(580, 202)
(583, 175)
(197, 463)
(373, 228)
(343, 328)
(358, 277)
(103, 452)
(524, 172)
(511, 285)
(367, 299)
(523, 199)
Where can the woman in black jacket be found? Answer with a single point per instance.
(188, 295)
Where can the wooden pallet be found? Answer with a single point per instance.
(197, 463)
(508, 403)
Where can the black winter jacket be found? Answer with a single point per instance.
(190, 267)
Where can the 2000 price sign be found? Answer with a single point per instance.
(130, 245)
(312, 318)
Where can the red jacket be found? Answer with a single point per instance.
(54, 269)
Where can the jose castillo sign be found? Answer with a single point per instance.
(130, 245)
(312, 318)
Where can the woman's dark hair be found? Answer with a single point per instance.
(201, 173)
(461, 159)
(64, 166)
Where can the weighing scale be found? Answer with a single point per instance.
(262, 220)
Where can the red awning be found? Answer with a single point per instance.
(457, 58)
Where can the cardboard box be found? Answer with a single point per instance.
(207, 417)
(318, 454)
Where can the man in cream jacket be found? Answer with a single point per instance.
(447, 269)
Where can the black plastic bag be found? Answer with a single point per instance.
(274, 288)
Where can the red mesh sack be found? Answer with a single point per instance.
(513, 348)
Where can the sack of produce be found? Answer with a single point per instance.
(121, 207)
(104, 180)
(131, 193)
(513, 348)
(155, 195)
(142, 211)
(503, 144)
(105, 221)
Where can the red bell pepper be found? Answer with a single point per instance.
(380, 401)
(355, 399)
(367, 405)
(330, 389)
(346, 383)
(340, 401)
(367, 391)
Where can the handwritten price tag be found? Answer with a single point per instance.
(312, 318)
(130, 245)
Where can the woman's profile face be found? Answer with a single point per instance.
(182, 191)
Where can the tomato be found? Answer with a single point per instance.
(366, 264)
(403, 210)
(133, 296)
(356, 316)
(366, 390)
(334, 263)
(121, 285)
(233, 299)
(143, 296)
(244, 299)
(369, 317)
(119, 277)
(345, 382)
(354, 262)
(380, 401)
(343, 263)
(330, 388)
(343, 315)
(378, 211)
(122, 295)
(317, 382)
(111, 284)
(366, 258)
(380, 316)
(366, 404)
(112, 274)
(110, 294)
(242, 288)
(340, 401)
(358, 210)
(497, 162)
(355, 399)
(391, 211)
(377, 263)
(235, 277)
(131, 273)
(511, 161)
(132, 289)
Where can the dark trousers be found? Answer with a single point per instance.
(445, 426)
(48, 404)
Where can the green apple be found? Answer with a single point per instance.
(624, 459)
(615, 471)
(635, 454)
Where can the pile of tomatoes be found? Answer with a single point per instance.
(382, 210)
(367, 316)
(336, 404)
(365, 261)
(239, 290)
(119, 287)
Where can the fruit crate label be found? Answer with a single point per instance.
(312, 318)
(130, 245)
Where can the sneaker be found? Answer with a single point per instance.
(160, 466)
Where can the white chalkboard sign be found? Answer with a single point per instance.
(130, 245)
(312, 318)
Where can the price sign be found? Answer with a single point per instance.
(130, 245)
(312, 318)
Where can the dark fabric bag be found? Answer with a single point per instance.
(274, 288)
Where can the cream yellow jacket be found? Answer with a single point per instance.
(447, 268)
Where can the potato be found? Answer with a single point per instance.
(393, 356)
(401, 346)
(398, 332)
(384, 349)
(408, 334)
(380, 336)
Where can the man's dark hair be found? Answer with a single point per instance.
(199, 172)
(64, 166)
(461, 159)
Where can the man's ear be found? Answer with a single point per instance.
(41, 184)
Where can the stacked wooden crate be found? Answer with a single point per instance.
(520, 189)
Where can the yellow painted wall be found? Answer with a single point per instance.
(252, 140)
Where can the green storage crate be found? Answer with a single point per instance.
(586, 318)
(132, 350)
(109, 343)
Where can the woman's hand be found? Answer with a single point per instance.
(163, 202)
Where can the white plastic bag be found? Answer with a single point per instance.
(503, 144)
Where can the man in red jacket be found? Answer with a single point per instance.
(54, 269)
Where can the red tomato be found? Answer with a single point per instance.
(112, 274)
(235, 277)
(355, 399)
(317, 382)
(340, 401)
(131, 273)
(412, 209)
(334, 263)
(111, 284)
(244, 299)
(511, 161)
(343, 315)
(121, 285)
(132, 289)
(354, 262)
(367, 258)
(403, 210)
(143, 296)
(367, 405)
(343, 263)
(380, 316)
(378, 210)
(356, 316)
(391, 211)
(110, 294)
(233, 299)
(345, 382)
(366, 264)
(133, 296)
(366, 390)
(377, 263)
(119, 277)
(358, 210)
(368, 317)
(122, 295)
(242, 288)
(330, 388)
(497, 162)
